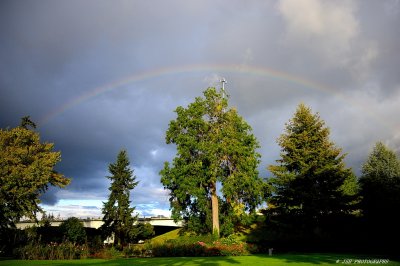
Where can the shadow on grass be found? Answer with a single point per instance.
(326, 259)
(313, 258)
(174, 261)
(254, 260)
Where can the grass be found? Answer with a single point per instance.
(281, 259)
(162, 238)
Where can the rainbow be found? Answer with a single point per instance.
(221, 69)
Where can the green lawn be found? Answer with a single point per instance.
(282, 259)
(164, 237)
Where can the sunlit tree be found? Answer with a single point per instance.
(26, 172)
(215, 146)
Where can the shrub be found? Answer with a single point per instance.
(134, 251)
(108, 253)
(253, 248)
(180, 250)
(95, 244)
(10, 238)
(138, 250)
(73, 230)
(202, 246)
(52, 251)
(144, 231)
(232, 249)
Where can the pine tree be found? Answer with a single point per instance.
(118, 218)
(310, 181)
(380, 191)
(214, 146)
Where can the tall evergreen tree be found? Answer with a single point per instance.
(380, 191)
(118, 218)
(310, 181)
(214, 146)
(382, 165)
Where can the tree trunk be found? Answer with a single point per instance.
(215, 211)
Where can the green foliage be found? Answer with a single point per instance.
(380, 182)
(10, 238)
(190, 239)
(381, 165)
(73, 230)
(46, 234)
(26, 170)
(200, 246)
(95, 243)
(27, 122)
(144, 231)
(238, 249)
(53, 251)
(310, 183)
(118, 218)
(182, 250)
(46, 220)
(108, 253)
(214, 144)
(138, 250)
(380, 191)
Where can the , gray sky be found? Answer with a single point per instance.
(99, 76)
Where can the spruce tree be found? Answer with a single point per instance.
(118, 214)
(380, 191)
(310, 182)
